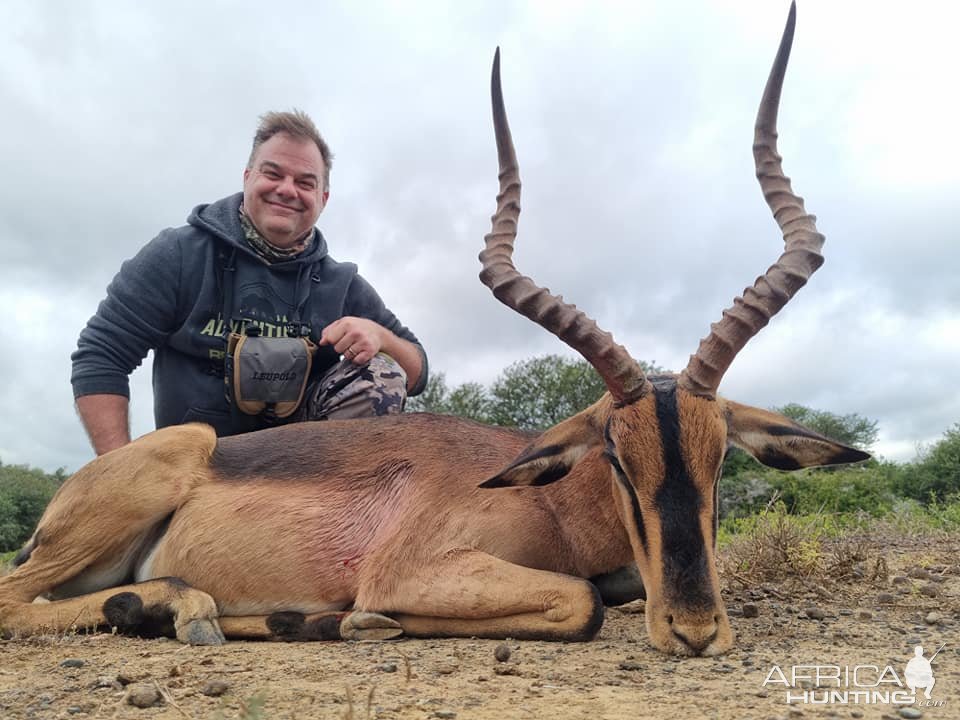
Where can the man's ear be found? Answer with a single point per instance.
(778, 442)
(552, 455)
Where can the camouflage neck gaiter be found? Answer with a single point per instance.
(265, 249)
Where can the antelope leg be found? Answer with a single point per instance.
(468, 593)
(162, 607)
(296, 626)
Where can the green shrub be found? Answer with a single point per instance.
(24, 493)
(935, 476)
(866, 488)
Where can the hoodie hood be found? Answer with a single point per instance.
(222, 219)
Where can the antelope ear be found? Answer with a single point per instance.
(552, 455)
(779, 442)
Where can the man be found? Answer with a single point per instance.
(254, 265)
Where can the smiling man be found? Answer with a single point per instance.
(252, 323)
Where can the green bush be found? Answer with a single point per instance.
(24, 493)
(935, 476)
(867, 488)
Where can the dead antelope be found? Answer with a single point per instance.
(366, 529)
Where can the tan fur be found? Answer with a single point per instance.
(384, 516)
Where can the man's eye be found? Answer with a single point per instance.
(307, 185)
(271, 175)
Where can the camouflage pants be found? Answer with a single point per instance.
(348, 391)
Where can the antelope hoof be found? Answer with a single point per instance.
(201, 632)
(361, 625)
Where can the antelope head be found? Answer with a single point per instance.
(663, 438)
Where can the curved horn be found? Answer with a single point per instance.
(800, 259)
(622, 374)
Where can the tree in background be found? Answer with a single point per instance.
(24, 493)
(468, 400)
(531, 394)
(935, 476)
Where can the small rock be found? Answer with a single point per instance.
(215, 688)
(930, 590)
(933, 617)
(814, 613)
(630, 665)
(142, 695)
(72, 663)
(750, 610)
(108, 681)
(909, 712)
(446, 668)
(75, 710)
(856, 714)
(885, 599)
(899, 579)
(387, 667)
(502, 652)
(445, 714)
(919, 573)
(506, 670)
(845, 612)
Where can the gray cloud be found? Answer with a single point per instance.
(633, 125)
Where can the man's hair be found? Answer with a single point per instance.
(297, 124)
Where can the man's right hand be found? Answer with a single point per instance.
(106, 420)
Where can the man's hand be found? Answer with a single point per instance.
(357, 339)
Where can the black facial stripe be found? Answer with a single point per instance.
(611, 454)
(686, 575)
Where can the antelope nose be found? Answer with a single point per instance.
(696, 635)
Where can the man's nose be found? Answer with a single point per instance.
(286, 187)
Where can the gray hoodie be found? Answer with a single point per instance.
(170, 298)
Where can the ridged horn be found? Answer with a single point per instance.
(622, 374)
(800, 259)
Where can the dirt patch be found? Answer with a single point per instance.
(851, 621)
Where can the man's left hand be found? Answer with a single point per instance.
(357, 339)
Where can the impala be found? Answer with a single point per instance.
(435, 526)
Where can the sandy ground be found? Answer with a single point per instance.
(618, 675)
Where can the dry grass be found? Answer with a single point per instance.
(785, 549)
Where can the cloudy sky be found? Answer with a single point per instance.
(633, 124)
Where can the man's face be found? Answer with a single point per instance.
(283, 192)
